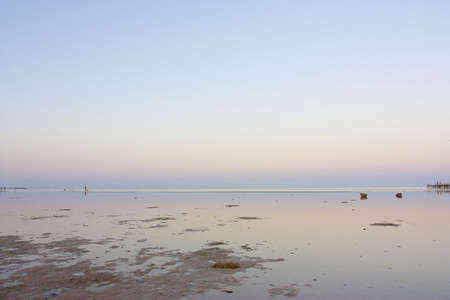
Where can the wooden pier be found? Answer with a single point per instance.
(439, 185)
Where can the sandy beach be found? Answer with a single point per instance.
(134, 244)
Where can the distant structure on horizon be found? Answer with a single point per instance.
(439, 185)
(3, 189)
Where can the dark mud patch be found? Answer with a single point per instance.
(249, 218)
(225, 265)
(135, 222)
(140, 223)
(196, 229)
(158, 219)
(211, 244)
(46, 217)
(289, 291)
(246, 247)
(385, 224)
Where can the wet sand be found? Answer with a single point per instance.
(148, 245)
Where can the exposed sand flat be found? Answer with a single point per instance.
(54, 273)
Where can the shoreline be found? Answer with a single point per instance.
(234, 190)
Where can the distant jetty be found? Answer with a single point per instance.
(3, 189)
(439, 185)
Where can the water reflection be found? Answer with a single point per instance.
(440, 192)
(330, 249)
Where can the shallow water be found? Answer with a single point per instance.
(325, 236)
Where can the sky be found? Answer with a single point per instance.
(223, 94)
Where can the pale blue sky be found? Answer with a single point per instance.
(224, 93)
